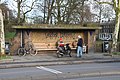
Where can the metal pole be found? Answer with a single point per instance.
(21, 39)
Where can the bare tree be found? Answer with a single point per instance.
(105, 11)
(100, 8)
(46, 7)
(71, 11)
(24, 7)
(64, 11)
(82, 10)
(50, 5)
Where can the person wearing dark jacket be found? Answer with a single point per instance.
(79, 46)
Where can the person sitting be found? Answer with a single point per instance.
(61, 44)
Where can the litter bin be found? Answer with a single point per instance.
(7, 48)
(84, 48)
(105, 46)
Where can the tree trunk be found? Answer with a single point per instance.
(82, 14)
(58, 16)
(18, 14)
(115, 34)
(2, 36)
(44, 11)
(50, 8)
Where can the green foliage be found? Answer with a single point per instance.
(9, 35)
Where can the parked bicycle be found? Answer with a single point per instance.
(27, 49)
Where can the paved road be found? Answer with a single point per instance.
(116, 77)
(60, 71)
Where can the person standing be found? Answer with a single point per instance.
(79, 46)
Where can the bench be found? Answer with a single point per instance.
(45, 47)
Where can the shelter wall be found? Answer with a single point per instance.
(48, 38)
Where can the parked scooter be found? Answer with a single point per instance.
(64, 51)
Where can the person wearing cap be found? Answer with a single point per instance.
(79, 46)
(61, 43)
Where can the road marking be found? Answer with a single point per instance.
(50, 70)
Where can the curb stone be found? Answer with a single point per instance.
(6, 60)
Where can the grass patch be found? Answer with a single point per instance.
(5, 57)
(116, 53)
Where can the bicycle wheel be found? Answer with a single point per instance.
(33, 52)
(21, 52)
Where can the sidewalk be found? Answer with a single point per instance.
(51, 59)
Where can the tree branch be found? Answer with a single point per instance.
(31, 7)
(105, 2)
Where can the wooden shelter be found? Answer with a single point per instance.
(45, 37)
